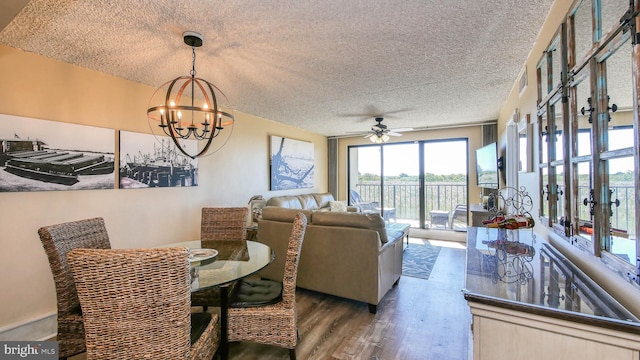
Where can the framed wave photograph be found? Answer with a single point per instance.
(291, 163)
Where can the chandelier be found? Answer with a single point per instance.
(191, 108)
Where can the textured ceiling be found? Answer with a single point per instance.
(325, 66)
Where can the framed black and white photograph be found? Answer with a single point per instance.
(147, 161)
(42, 155)
(292, 163)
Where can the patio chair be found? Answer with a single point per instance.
(136, 305)
(57, 241)
(371, 207)
(219, 223)
(439, 218)
(272, 319)
(459, 216)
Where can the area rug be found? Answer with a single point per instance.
(418, 260)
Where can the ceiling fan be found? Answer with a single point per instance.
(379, 132)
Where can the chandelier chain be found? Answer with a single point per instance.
(193, 61)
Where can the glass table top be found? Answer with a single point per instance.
(236, 259)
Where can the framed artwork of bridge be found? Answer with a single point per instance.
(291, 163)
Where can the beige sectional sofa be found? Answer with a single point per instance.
(348, 254)
(314, 202)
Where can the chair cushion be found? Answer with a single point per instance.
(199, 323)
(253, 293)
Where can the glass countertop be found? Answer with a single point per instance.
(518, 270)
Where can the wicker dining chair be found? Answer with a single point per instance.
(57, 241)
(219, 223)
(136, 305)
(224, 223)
(273, 324)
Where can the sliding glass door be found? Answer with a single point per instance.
(421, 183)
(400, 182)
(445, 184)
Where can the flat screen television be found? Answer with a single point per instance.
(487, 166)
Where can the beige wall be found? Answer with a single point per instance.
(36, 87)
(472, 133)
(526, 103)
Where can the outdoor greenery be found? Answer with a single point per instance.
(368, 178)
(442, 192)
(622, 186)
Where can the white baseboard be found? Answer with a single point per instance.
(38, 329)
(446, 235)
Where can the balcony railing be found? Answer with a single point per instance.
(623, 216)
(405, 197)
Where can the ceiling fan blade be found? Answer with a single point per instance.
(372, 111)
(407, 109)
(401, 129)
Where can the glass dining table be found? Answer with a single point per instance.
(236, 259)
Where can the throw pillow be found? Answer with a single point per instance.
(338, 206)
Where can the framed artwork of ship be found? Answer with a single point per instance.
(292, 163)
(42, 155)
(148, 161)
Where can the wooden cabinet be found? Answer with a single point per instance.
(529, 302)
(503, 334)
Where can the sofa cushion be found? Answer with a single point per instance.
(338, 206)
(349, 219)
(276, 213)
(308, 201)
(291, 202)
(323, 199)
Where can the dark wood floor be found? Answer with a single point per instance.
(418, 319)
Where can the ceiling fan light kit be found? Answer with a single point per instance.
(379, 132)
(379, 139)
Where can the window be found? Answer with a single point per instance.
(552, 118)
(412, 182)
(587, 133)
